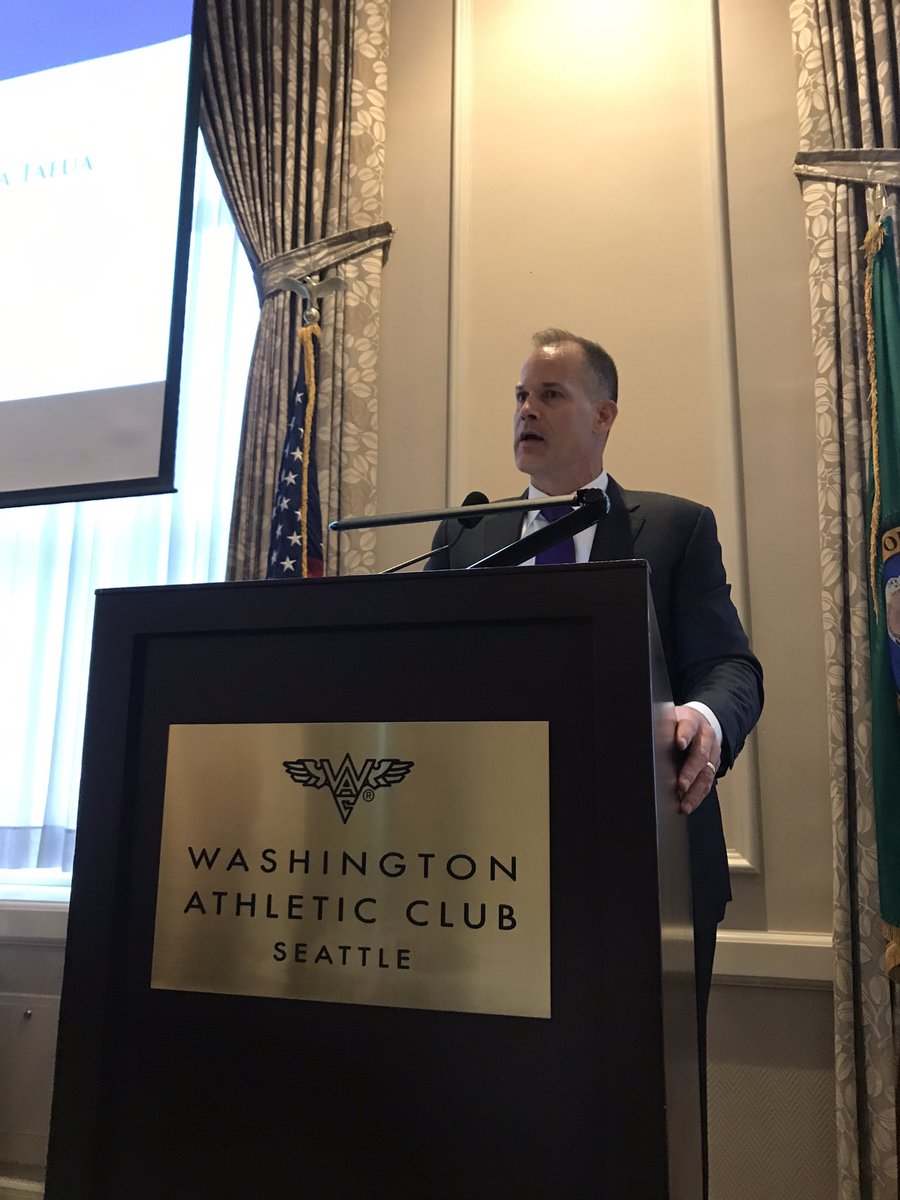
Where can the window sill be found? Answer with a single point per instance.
(33, 921)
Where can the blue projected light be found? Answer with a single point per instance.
(38, 34)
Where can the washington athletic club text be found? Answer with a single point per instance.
(350, 893)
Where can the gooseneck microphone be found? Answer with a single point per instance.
(573, 499)
(588, 504)
(464, 523)
(472, 521)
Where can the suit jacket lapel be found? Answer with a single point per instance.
(614, 538)
(617, 533)
(500, 530)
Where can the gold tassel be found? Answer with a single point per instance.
(892, 950)
(872, 243)
(873, 240)
(307, 343)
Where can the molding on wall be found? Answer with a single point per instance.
(744, 821)
(460, 255)
(743, 866)
(742, 813)
(23, 923)
(13, 1188)
(774, 958)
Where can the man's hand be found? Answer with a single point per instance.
(698, 771)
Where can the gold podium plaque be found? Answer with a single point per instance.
(404, 864)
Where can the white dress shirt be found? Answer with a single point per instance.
(583, 540)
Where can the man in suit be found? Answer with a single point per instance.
(566, 404)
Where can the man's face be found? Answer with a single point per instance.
(560, 428)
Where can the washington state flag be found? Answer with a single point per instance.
(883, 508)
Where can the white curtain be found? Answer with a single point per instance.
(53, 557)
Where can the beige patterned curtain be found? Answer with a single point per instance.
(846, 55)
(292, 109)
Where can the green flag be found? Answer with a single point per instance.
(883, 506)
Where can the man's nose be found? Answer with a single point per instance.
(527, 407)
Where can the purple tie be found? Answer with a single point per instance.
(563, 551)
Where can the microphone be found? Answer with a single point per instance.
(464, 523)
(573, 500)
(471, 522)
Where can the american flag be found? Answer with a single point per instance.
(295, 543)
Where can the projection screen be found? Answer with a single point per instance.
(99, 105)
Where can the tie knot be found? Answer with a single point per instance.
(554, 511)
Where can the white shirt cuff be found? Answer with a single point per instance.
(711, 717)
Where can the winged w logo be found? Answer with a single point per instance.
(348, 783)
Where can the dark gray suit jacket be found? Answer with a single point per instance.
(706, 649)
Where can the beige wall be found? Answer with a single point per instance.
(412, 367)
(775, 372)
(620, 170)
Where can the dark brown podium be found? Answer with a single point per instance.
(175, 1091)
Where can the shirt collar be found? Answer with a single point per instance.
(535, 493)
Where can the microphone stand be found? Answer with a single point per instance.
(575, 499)
(411, 562)
(589, 505)
(527, 547)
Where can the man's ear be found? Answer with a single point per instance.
(607, 411)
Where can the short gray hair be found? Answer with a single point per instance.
(601, 368)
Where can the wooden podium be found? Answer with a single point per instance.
(528, 712)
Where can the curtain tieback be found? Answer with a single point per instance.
(276, 274)
(850, 166)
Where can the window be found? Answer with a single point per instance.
(53, 557)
